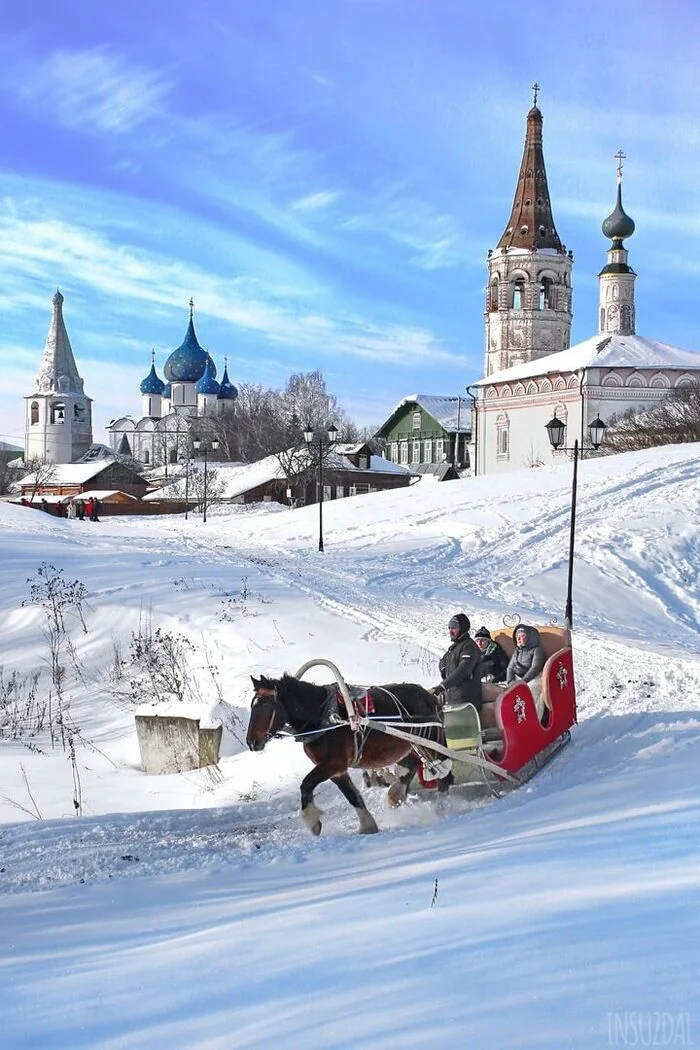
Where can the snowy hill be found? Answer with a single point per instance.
(195, 911)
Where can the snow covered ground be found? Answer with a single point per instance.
(194, 910)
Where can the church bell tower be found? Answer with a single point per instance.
(528, 297)
(58, 414)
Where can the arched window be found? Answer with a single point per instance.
(79, 413)
(602, 318)
(503, 436)
(146, 457)
(493, 295)
(34, 413)
(172, 455)
(625, 318)
(546, 294)
(519, 295)
(58, 412)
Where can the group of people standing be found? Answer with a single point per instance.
(75, 508)
(470, 661)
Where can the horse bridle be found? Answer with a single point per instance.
(268, 693)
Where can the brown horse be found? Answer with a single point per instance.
(333, 750)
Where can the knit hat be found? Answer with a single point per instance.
(483, 632)
(461, 621)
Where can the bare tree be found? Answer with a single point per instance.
(9, 474)
(214, 485)
(674, 420)
(265, 422)
(41, 472)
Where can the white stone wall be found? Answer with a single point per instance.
(521, 411)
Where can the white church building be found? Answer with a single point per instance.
(172, 408)
(531, 371)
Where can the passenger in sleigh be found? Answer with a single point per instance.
(494, 659)
(527, 661)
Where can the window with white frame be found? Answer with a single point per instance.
(503, 437)
(339, 491)
(416, 420)
(439, 450)
(415, 452)
(403, 452)
(394, 453)
(427, 452)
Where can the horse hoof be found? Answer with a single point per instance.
(316, 828)
(396, 795)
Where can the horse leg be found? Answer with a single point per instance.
(398, 791)
(368, 824)
(310, 813)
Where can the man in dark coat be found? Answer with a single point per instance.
(460, 667)
(527, 660)
(494, 658)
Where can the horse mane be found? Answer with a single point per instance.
(301, 700)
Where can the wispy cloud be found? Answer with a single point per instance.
(316, 201)
(29, 247)
(94, 88)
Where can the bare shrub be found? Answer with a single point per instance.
(22, 712)
(674, 420)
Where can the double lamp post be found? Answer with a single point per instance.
(203, 445)
(321, 445)
(197, 444)
(556, 431)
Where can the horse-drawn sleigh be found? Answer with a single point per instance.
(404, 724)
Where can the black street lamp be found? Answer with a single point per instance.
(185, 461)
(205, 448)
(321, 444)
(556, 430)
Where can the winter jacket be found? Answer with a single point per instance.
(460, 668)
(527, 662)
(494, 662)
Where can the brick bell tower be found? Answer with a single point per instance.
(528, 296)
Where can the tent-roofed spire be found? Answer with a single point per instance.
(531, 224)
(58, 371)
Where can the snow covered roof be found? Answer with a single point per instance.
(451, 412)
(104, 495)
(602, 351)
(242, 477)
(69, 473)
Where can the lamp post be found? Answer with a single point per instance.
(321, 444)
(186, 461)
(556, 430)
(205, 448)
(475, 422)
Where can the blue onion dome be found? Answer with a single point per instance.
(168, 392)
(152, 384)
(618, 224)
(208, 384)
(187, 363)
(227, 391)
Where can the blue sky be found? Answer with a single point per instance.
(325, 178)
